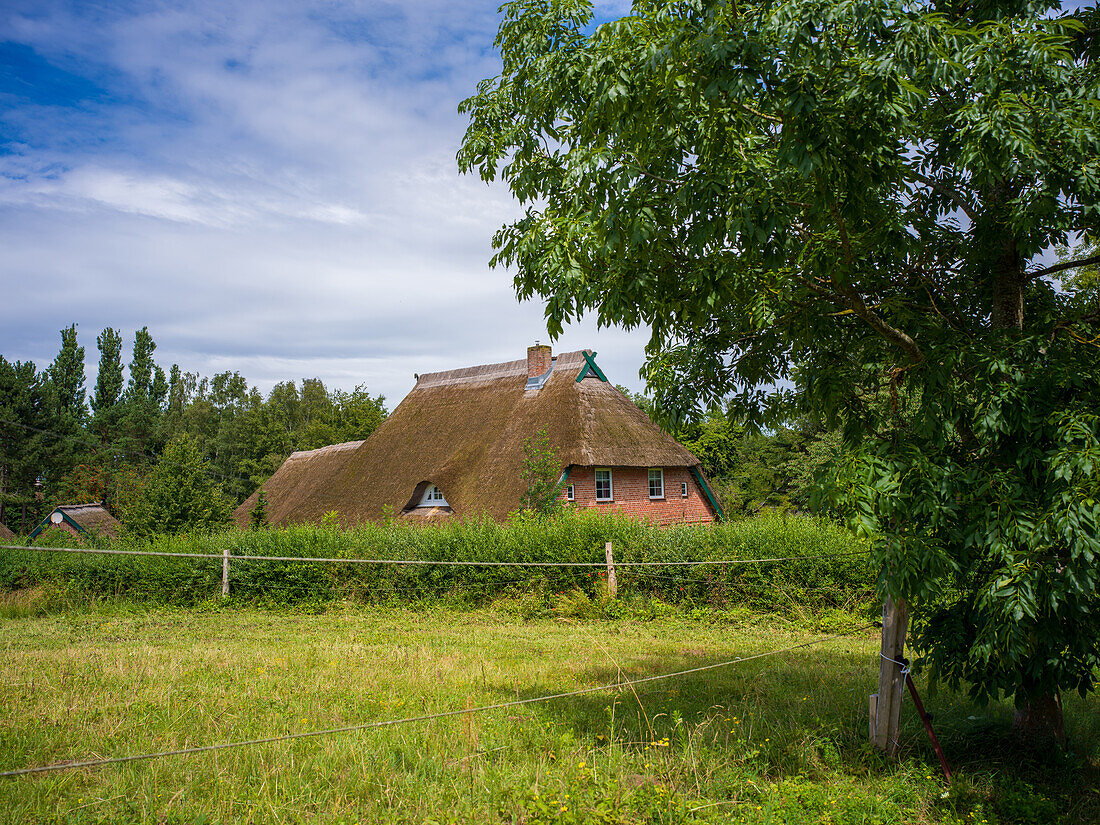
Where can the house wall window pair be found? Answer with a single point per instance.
(605, 490)
(673, 497)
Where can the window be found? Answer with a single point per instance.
(657, 483)
(433, 497)
(603, 485)
(570, 495)
(683, 489)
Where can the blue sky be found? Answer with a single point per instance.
(269, 186)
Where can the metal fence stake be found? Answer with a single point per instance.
(612, 582)
(225, 571)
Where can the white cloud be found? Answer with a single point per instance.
(269, 186)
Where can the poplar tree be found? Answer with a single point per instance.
(140, 385)
(108, 385)
(140, 407)
(67, 374)
(70, 444)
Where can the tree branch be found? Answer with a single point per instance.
(856, 302)
(1050, 270)
(650, 175)
(849, 297)
(947, 192)
(891, 334)
(753, 111)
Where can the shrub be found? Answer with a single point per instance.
(813, 580)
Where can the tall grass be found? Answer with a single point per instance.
(814, 578)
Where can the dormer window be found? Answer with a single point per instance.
(433, 497)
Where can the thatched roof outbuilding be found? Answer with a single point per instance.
(80, 519)
(6, 535)
(464, 430)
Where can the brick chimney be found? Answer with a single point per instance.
(538, 360)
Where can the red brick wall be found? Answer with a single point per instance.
(68, 528)
(630, 494)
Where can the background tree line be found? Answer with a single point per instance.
(61, 443)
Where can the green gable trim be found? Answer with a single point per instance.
(708, 493)
(590, 364)
(46, 523)
(563, 482)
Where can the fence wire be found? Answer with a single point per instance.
(429, 562)
(427, 717)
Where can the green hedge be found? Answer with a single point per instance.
(815, 580)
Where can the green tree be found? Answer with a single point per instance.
(358, 413)
(1082, 280)
(178, 494)
(181, 388)
(66, 421)
(158, 389)
(257, 516)
(852, 198)
(542, 472)
(139, 411)
(140, 386)
(26, 442)
(108, 385)
(67, 374)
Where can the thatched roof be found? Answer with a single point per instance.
(464, 430)
(91, 518)
(6, 535)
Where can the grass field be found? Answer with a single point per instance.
(777, 739)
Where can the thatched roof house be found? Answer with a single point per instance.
(80, 519)
(454, 447)
(6, 535)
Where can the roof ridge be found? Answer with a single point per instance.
(493, 372)
(328, 448)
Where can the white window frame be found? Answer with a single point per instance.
(433, 497)
(610, 484)
(570, 493)
(683, 489)
(660, 480)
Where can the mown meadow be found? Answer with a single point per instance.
(108, 656)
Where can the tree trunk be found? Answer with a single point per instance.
(1008, 287)
(1038, 723)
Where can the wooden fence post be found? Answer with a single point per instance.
(612, 582)
(885, 706)
(225, 571)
